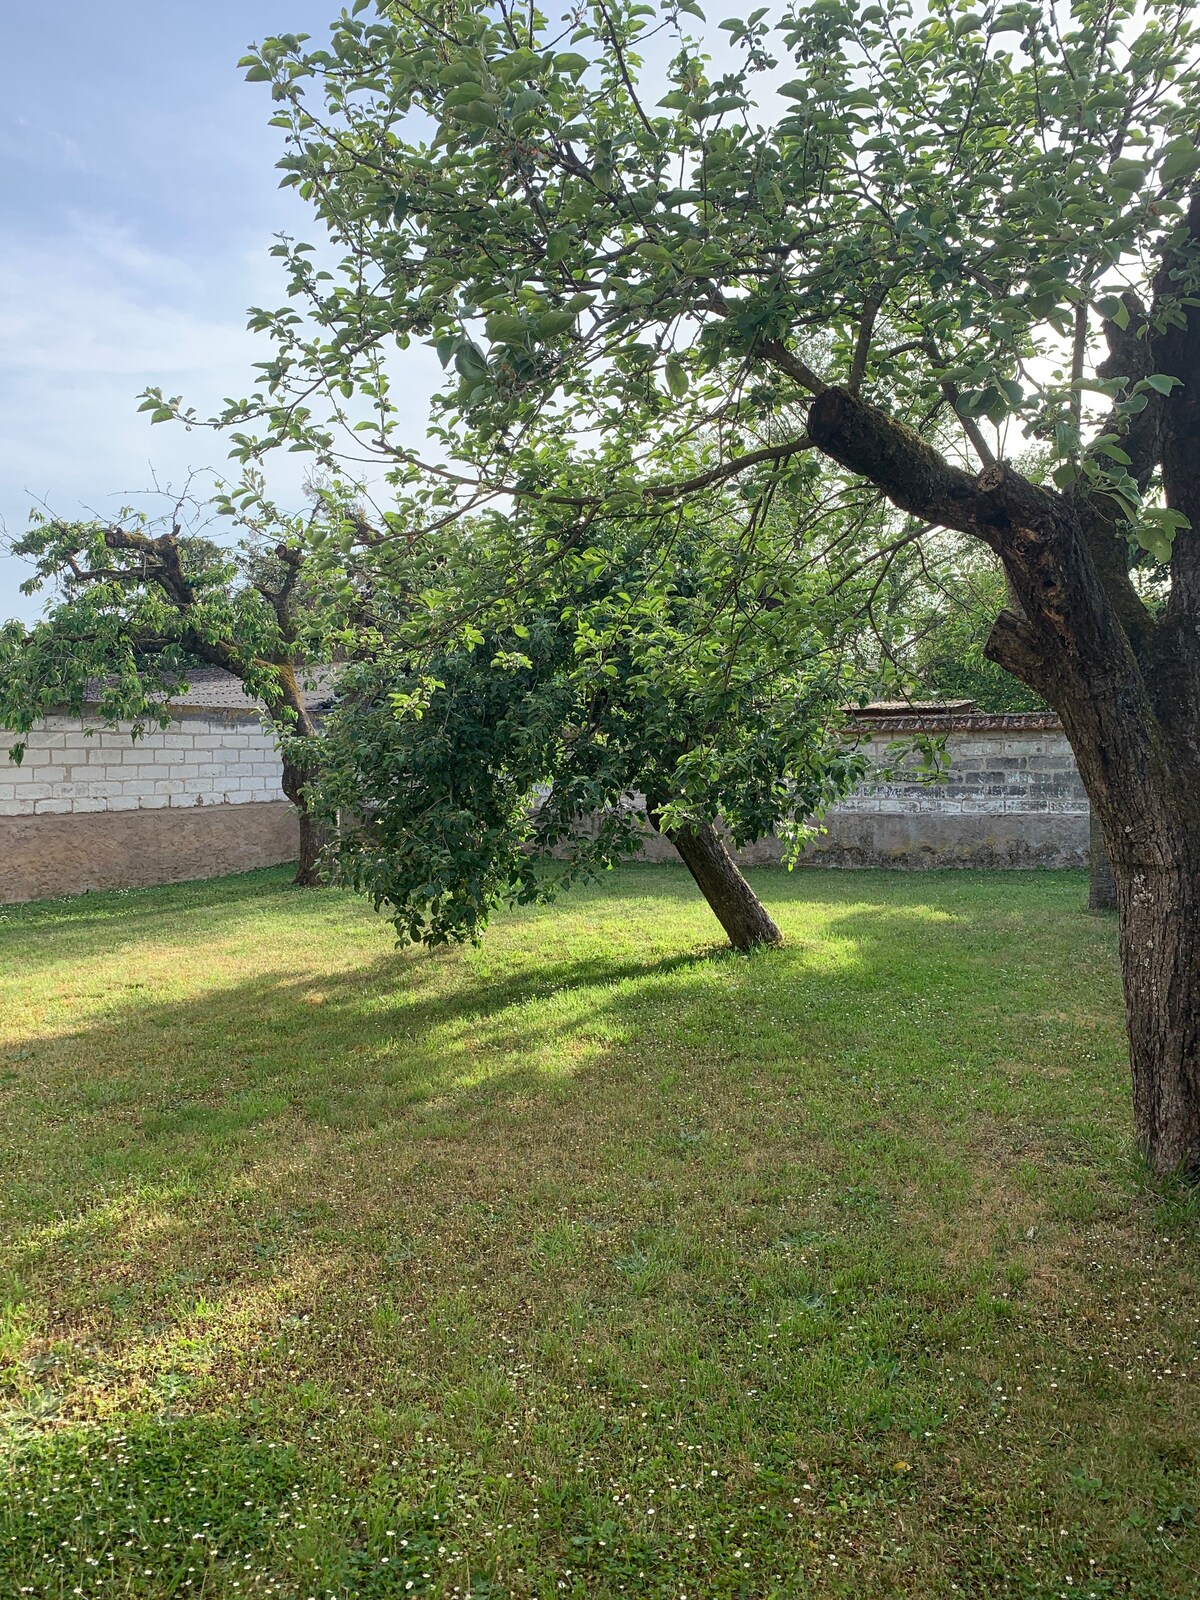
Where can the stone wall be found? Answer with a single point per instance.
(203, 758)
(91, 808)
(42, 857)
(1012, 797)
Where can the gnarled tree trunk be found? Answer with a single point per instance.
(312, 838)
(1160, 962)
(1126, 684)
(1146, 799)
(719, 878)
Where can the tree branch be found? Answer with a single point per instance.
(862, 346)
(912, 474)
(778, 354)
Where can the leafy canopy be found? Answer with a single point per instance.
(135, 605)
(504, 766)
(939, 208)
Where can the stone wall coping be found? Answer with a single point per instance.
(180, 711)
(917, 722)
(251, 715)
(230, 716)
(960, 722)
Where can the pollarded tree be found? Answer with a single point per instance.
(136, 607)
(511, 758)
(949, 231)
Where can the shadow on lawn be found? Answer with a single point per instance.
(903, 997)
(555, 1148)
(151, 1090)
(43, 932)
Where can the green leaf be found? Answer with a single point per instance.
(677, 378)
(504, 328)
(719, 106)
(1114, 453)
(1181, 160)
(470, 361)
(1162, 382)
(552, 323)
(478, 113)
(464, 93)
(570, 61)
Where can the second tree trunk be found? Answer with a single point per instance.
(308, 874)
(719, 878)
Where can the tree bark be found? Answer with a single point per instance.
(312, 837)
(1102, 885)
(1160, 961)
(1127, 687)
(719, 878)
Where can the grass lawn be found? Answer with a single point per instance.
(594, 1262)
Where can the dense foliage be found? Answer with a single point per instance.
(938, 626)
(947, 234)
(451, 778)
(133, 607)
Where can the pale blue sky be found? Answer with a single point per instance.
(138, 207)
(136, 214)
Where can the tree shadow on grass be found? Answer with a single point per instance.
(677, 1153)
(150, 1088)
(891, 999)
(44, 932)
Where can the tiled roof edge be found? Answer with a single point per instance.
(963, 722)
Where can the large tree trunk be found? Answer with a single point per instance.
(1143, 781)
(1126, 683)
(1102, 885)
(312, 842)
(1160, 961)
(719, 878)
(312, 838)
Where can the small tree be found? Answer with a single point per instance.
(965, 221)
(137, 607)
(503, 766)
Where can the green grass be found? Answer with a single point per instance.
(594, 1262)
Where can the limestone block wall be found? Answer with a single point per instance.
(91, 808)
(1011, 797)
(73, 766)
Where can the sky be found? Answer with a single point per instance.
(139, 204)
(138, 207)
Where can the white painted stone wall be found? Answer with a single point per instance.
(1011, 797)
(73, 766)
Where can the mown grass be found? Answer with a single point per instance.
(594, 1262)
